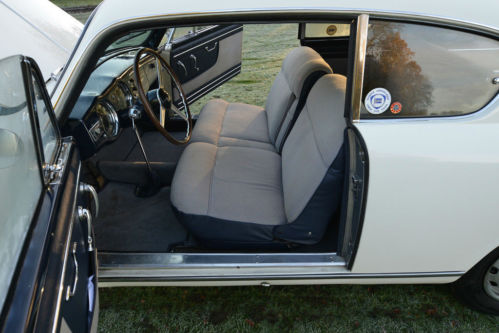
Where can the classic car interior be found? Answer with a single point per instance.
(216, 153)
(232, 177)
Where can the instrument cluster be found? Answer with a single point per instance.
(103, 120)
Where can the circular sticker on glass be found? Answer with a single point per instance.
(378, 100)
(396, 107)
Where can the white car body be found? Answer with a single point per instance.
(416, 192)
(431, 204)
(42, 31)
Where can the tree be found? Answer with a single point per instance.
(390, 64)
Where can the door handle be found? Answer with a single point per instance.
(87, 188)
(84, 214)
(181, 65)
(193, 57)
(208, 49)
(71, 291)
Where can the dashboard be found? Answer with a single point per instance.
(102, 108)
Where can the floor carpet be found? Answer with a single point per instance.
(127, 223)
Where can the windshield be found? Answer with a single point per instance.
(134, 39)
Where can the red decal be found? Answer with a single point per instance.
(396, 107)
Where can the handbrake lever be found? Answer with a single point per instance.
(153, 183)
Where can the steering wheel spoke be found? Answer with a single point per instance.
(161, 122)
(162, 115)
(179, 113)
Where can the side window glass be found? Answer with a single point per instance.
(424, 71)
(20, 177)
(48, 131)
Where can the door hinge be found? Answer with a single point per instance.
(52, 172)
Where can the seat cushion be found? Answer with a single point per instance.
(232, 124)
(229, 194)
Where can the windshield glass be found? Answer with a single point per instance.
(133, 39)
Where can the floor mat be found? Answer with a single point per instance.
(127, 223)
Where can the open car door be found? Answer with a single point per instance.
(205, 58)
(48, 273)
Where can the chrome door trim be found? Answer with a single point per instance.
(359, 65)
(119, 260)
(138, 277)
(208, 86)
(67, 247)
(192, 267)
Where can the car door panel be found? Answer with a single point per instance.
(354, 194)
(207, 60)
(191, 63)
(74, 296)
(46, 268)
(65, 302)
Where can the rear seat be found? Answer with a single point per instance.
(237, 124)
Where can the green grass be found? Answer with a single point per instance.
(76, 3)
(339, 308)
(342, 308)
(264, 48)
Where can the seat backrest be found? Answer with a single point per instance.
(283, 97)
(313, 163)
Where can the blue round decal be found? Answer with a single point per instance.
(378, 100)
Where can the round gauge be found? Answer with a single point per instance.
(108, 118)
(127, 94)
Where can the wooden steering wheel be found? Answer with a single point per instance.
(164, 99)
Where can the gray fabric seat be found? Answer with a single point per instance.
(237, 124)
(235, 196)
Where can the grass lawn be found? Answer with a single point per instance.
(76, 3)
(342, 308)
(264, 49)
(339, 308)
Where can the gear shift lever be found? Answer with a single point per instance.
(153, 182)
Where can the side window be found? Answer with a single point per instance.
(416, 70)
(20, 177)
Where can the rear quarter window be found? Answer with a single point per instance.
(417, 70)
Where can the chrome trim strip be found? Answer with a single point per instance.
(209, 86)
(209, 41)
(123, 276)
(66, 254)
(129, 261)
(172, 267)
(359, 64)
(226, 76)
